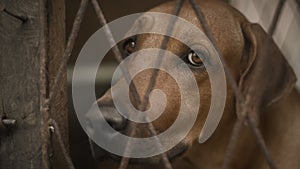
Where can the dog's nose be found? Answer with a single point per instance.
(113, 118)
(95, 124)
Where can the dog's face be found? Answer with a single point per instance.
(233, 40)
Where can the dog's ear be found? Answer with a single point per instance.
(266, 76)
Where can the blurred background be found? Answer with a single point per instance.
(287, 33)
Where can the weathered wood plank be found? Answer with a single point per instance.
(19, 74)
(57, 40)
(20, 97)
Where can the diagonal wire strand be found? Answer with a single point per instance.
(238, 95)
(298, 4)
(54, 89)
(115, 49)
(68, 50)
(118, 57)
(58, 135)
(277, 14)
(125, 160)
(208, 33)
(232, 143)
(261, 142)
(74, 34)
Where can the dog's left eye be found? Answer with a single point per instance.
(129, 46)
(194, 59)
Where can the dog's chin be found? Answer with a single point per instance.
(176, 152)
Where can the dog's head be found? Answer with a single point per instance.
(256, 63)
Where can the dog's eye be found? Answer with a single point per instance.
(194, 59)
(128, 46)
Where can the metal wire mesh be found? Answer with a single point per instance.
(143, 101)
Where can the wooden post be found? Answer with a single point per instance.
(58, 111)
(31, 48)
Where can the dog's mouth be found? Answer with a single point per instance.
(114, 119)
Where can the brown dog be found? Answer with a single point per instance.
(264, 77)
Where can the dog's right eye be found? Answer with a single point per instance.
(129, 46)
(194, 59)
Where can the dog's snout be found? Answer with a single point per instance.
(113, 118)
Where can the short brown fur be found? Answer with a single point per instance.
(264, 77)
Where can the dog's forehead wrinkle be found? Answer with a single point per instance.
(155, 41)
(217, 23)
(219, 17)
(158, 22)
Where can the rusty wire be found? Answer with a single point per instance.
(68, 50)
(118, 56)
(162, 53)
(298, 4)
(115, 49)
(151, 84)
(240, 99)
(232, 143)
(277, 14)
(200, 15)
(56, 131)
(152, 81)
(56, 85)
(239, 96)
(259, 138)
